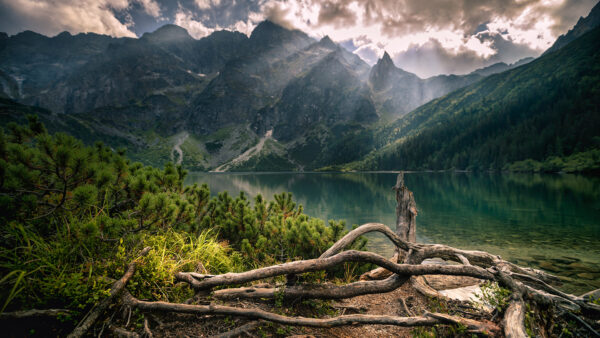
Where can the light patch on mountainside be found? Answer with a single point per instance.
(247, 154)
(177, 148)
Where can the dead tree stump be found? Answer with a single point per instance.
(406, 226)
(406, 211)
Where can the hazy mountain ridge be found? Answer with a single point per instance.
(398, 92)
(540, 116)
(227, 90)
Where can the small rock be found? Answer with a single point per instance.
(549, 266)
(444, 282)
(586, 275)
(467, 294)
(583, 267)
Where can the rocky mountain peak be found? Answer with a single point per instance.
(385, 64)
(381, 72)
(326, 42)
(266, 29)
(168, 33)
(386, 58)
(583, 26)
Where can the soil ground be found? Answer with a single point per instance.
(391, 303)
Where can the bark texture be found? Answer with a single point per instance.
(429, 319)
(406, 211)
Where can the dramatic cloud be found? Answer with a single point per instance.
(435, 36)
(54, 16)
(151, 7)
(206, 4)
(186, 20)
(426, 37)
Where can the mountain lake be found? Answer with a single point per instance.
(547, 221)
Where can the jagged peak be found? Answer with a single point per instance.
(386, 56)
(385, 61)
(327, 42)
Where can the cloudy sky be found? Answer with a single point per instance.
(427, 37)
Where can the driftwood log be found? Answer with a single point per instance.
(527, 285)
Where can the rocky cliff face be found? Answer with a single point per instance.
(310, 93)
(583, 26)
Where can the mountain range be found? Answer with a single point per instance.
(280, 100)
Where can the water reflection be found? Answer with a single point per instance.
(548, 221)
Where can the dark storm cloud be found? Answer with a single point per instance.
(336, 13)
(410, 16)
(422, 35)
(567, 14)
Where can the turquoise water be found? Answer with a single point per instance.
(545, 221)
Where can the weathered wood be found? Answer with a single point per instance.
(326, 263)
(121, 332)
(473, 326)
(115, 290)
(254, 313)
(406, 211)
(34, 313)
(350, 237)
(406, 226)
(514, 318)
(463, 259)
(147, 330)
(591, 296)
(240, 330)
(379, 273)
(424, 251)
(419, 284)
(314, 291)
(545, 287)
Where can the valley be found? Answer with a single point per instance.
(225, 91)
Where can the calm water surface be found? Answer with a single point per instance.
(546, 221)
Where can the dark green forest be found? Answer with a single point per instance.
(543, 116)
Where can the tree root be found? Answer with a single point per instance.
(314, 291)
(429, 319)
(477, 264)
(514, 318)
(526, 284)
(34, 313)
(329, 262)
(238, 331)
(121, 332)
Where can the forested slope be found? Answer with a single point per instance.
(545, 111)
